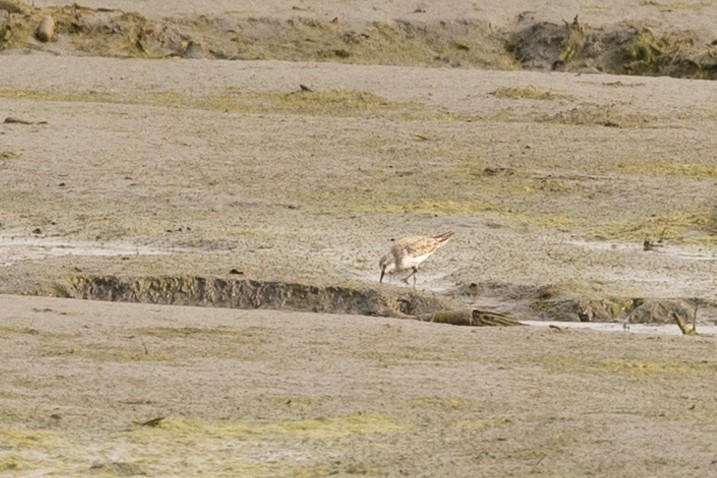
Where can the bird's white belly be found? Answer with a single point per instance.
(408, 262)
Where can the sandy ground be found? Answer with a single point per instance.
(231, 168)
(136, 167)
(263, 393)
(693, 15)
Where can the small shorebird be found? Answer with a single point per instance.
(409, 252)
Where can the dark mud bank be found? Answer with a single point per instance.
(564, 303)
(252, 294)
(543, 303)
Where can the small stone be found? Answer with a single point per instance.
(12, 119)
(46, 29)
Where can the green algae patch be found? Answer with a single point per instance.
(529, 93)
(483, 424)
(23, 450)
(40, 334)
(669, 6)
(177, 447)
(638, 368)
(449, 207)
(672, 227)
(20, 439)
(545, 221)
(597, 115)
(10, 463)
(329, 102)
(237, 448)
(175, 332)
(441, 404)
(50, 95)
(11, 330)
(630, 369)
(321, 103)
(300, 430)
(351, 200)
(336, 427)
(135, 351)
(448, 200)
(669, 169)
(189, 332)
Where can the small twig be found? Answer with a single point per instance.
(152, 423)
(686, 329)
(12, 119)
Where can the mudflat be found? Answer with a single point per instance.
(126, 157)
(127, 389)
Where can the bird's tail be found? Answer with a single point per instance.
(443, 238)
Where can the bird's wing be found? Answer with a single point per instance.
(421, 245)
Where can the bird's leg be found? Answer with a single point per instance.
(409, 276)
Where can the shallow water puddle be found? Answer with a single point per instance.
(682, 252)
(657, 329)
(425, 282)
(15, 249)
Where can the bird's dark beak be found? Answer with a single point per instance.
(383, 271)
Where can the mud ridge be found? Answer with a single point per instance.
(569, 46)
(559, 303)
(539, 303)
(253, 294)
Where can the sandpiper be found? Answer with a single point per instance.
(409, 252)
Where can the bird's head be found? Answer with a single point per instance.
(387, 264)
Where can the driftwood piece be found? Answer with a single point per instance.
(685, 328)
(12, 119)
(473, 318)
